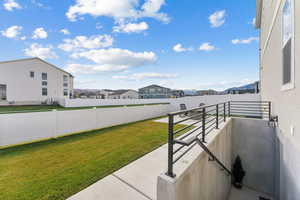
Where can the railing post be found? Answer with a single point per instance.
(170, 146)
(269, 110)
(203, 124)
(217, 117)
(228, 108)
(224, 112)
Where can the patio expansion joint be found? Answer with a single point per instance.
(131, 186)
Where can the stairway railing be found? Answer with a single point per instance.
(203, 120)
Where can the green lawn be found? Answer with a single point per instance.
(56, 169)
(41, 108)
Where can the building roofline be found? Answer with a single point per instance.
(155, 86)
(258, 13)
(122, 92)
(36, 58)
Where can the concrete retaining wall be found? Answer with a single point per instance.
(197, 178)
(254, 141)
(27, 127)
(200, 179)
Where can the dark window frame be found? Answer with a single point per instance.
(44, 91)
(31, 74)
(44, 83)
(288, 51)
(44, 76)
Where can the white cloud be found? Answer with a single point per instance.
(12, 32)
(83, 42)
(151, 9)
(145, 75)
(113, 59)
(115, 56)
(94, 69)
(10, 5)
(37, 50)
(244, 41)
(125, 9)
(253, 21)
(179, 48)
(207, 47)
(65, 31)
(217, 19)
(39, 33)
(131, 27)
(98, 26)
(38, 4)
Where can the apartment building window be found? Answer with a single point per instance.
(2, 92)
(65, 84)
(44, 83)
(65, 78)
(288, 45)
(44, 76)
(65, 92)
(31, 74)
(44, 91)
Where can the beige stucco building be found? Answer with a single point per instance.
(33, 81)
(279, 24)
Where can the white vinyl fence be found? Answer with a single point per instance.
(190, 102)
(27, 127)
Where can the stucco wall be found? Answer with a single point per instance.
(197, 178)
(27, 127)
(254, 141)
(288, 165)
(285, 104)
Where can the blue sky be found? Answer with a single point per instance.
(188, 44)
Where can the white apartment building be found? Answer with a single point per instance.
(279, 24)
(124, 94)
(33, 81)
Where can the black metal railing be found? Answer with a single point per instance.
(201, 121)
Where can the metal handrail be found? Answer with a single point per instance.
(202, 145)
(210, 119)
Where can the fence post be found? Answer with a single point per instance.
(228, 108)
(170, 146)
(224, 110)
(269, 110)
(203, 124)
(217, 117)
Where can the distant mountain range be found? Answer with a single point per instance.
(250, 86)
(245, 88)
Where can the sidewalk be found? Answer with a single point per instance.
(136, 181)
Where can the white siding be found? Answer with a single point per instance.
(22, 88)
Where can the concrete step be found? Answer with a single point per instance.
(247, 194)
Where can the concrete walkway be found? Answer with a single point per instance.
(246, 194)
(136, 181)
